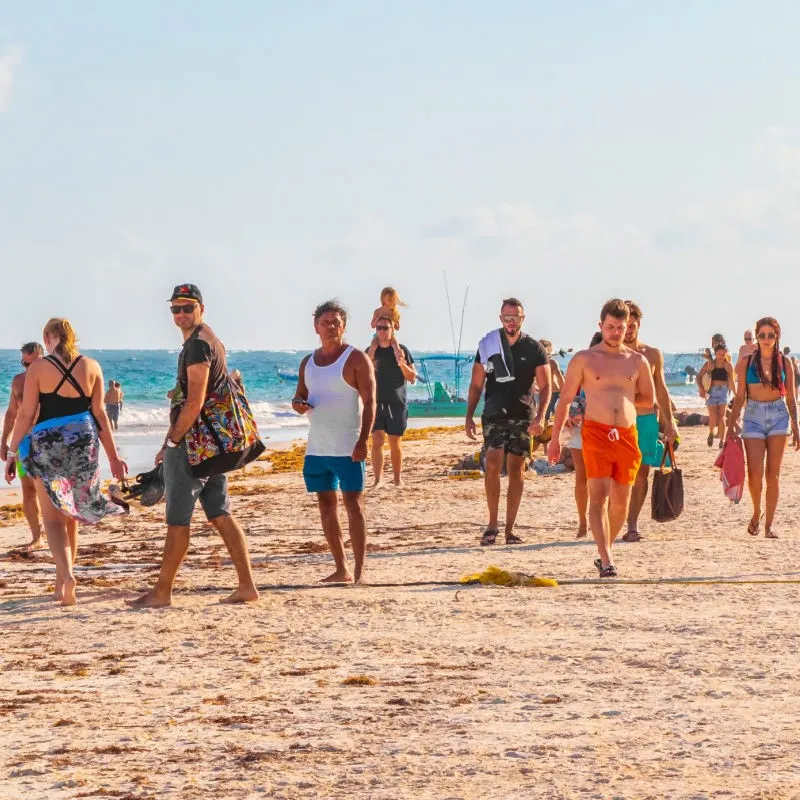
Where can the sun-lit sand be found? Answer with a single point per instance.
(411, 690)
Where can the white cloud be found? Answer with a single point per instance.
(9, 61)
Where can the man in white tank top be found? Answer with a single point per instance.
(336, 388)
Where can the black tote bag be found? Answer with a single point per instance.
(667, 493)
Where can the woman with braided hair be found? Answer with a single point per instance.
(765, 381)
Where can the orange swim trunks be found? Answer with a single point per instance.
(610, 452)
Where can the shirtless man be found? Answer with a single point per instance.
(647, 420)
(556, 375)
(30, 505)
(616, 381)
(336, 388)
(113, 401)
(749, 347)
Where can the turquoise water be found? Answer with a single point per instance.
(147, 375)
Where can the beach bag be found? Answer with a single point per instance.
(731, 464)
(225, 435)
(667, 492)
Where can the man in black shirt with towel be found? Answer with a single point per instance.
(507, 363)
(393, 369)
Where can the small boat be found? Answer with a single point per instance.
(444, 399)
(287, 373)
(683, 369)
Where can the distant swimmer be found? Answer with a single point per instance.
(336, 388)
(617, 381)
(113, 402)
(30, 504)
(507, 364)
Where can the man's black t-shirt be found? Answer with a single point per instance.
(389, 377)
(514, 399)
(202, 347)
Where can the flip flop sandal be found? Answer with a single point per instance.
(770, 534)
(632, 536)
(608, 572)
(489, 537)
(513, 539)
(710, 439)
(598, 565)
(753, 529)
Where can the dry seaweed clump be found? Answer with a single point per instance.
(414, 434)
(290, 460)
(360, 680)
(11, 512)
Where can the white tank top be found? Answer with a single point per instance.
(335, 419)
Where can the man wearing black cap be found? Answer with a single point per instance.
(201, 368)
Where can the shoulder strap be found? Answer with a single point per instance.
(66, 375)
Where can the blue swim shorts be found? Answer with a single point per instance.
(328, 473)
(647, 429)
(762, 420)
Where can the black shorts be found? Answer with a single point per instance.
(391, 418)
(508, 435)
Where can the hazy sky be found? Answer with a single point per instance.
(278, 154)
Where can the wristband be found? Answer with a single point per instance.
(170, 443)
(11, 454)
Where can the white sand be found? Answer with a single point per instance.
(635, 691)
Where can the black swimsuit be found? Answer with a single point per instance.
(53, 405)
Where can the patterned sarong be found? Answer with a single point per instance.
(64, 452)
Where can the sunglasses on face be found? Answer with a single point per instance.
(187, 309)
(25, 363)
(383, 328)
(511, 317)
(748, 338)
(768, 336)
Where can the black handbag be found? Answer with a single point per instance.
(667, 493)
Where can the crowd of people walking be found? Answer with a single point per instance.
(611, 410)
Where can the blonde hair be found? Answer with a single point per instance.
(390, 294)
(59, 328)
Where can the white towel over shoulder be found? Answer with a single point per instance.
(492, 356)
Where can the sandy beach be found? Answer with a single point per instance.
(412, 687)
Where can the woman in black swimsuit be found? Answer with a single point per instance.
(64, 395)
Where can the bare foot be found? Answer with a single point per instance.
(36, 544)
(398, 482)
(340, 576)
(69, 598)
(360, 578)
(150, 599)
(582, 532)
(58, 594)
(249, 595)
(378, 483)
(770, 534)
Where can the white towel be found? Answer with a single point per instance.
(492, 353)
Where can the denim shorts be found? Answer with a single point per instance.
(717, 396)
(762, 420)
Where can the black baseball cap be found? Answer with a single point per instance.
(186, 291)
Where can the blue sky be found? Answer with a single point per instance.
(280, 154)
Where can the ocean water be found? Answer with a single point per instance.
(147, 375)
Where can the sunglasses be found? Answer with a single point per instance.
(187, 309)
(25, 363)
(769, 336)
(511, 317)
(748, 338)
(383, 327)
